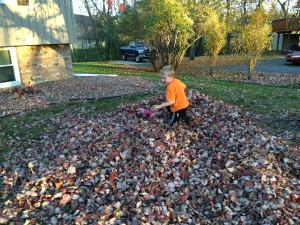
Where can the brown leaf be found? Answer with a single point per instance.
(184, 174)
(211, 144)
(183, 198)
(58, 184)
(112, 177)
(142, 167)
(59, 162)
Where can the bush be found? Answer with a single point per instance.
(87, 55)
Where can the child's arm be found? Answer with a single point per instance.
(165, 104)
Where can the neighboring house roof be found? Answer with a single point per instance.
(82, 26)
(84, 31)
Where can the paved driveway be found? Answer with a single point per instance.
(133, 63)
(269, 66)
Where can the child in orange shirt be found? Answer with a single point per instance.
(177, 103)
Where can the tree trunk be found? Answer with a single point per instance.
(212, 60)
(228, 39)
(154, 58)
(178, 59)
(252, 64)
(110, 55)
(192, 52)
(244, 7)
(228, 13)
(202, 46)
(284, 7)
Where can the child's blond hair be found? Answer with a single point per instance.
(168, 71)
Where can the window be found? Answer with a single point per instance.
(23, 2)
(9, 70)
(15, 2)
(8, 2)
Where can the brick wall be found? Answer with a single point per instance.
(44, 63)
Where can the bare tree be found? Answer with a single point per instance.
(100, 13)
(284, 5)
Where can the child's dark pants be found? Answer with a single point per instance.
(176, 116)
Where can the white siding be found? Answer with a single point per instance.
(42, 22)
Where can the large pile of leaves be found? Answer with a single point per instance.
(23, 99)
(126, 168)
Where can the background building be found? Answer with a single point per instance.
(287, 34)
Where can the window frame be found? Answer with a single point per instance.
(8, 2)
(15, 65)
(15, 2)
(23, 2)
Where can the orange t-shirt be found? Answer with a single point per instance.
(175, 92)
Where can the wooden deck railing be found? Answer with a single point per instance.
(287, 25)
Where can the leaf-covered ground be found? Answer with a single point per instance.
(125, 168)
(23, 99)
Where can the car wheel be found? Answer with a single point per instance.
(124, 57)
(137, 58)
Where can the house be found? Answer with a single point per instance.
(287, 34)
(83, 48)
(35, 37)
(83, 28)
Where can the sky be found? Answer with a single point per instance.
(78, 7)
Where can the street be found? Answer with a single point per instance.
(269, 66)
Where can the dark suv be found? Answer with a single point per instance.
(136, 50)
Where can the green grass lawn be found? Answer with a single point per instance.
(276, 105)
(253, 97)
(107, 68)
